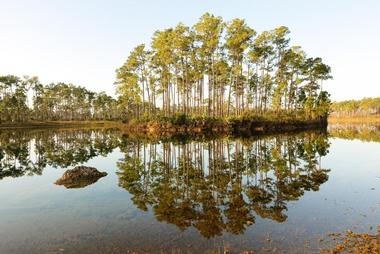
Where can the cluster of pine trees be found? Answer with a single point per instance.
(363, 107)
(219, 69)
(24, 99)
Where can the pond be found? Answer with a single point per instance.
(281, 193)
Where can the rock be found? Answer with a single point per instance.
(79, 177)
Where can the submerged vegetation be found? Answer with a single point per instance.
(351, 242)
(222, 69)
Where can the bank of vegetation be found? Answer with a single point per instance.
(364, 110)
(213, 75)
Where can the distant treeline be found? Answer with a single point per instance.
(221, 69)
(363, 107)
(25, 99)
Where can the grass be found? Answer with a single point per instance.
(354, 119)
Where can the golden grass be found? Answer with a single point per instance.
(354, 119)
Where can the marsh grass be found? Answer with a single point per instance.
(354, 119)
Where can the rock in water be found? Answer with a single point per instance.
(80, 177)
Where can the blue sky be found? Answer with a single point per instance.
(84, 41)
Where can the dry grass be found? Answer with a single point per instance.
(354, 119)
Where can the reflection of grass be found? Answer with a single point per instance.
(354, 119)
(352, 243)
(369, 133)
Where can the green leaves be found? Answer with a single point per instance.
(365, 106)
(218, 68)
(238, 38)
(207, 32)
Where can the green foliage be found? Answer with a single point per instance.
(58, 101)
(220, 69)
(13, 99)
(363, 107)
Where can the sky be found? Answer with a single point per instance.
(84, 41)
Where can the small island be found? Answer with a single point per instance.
(214, 76)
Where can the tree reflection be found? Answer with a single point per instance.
(222, 185)
(215, 186)
(351, 131)
(29, 152)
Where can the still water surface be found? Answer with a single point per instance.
(282, 192)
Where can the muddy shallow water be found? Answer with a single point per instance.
(282, 193)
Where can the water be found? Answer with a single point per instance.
(281, 193)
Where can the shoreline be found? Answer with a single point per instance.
(58, 124)
(354, 119)
(243, 127)
(215, 127)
